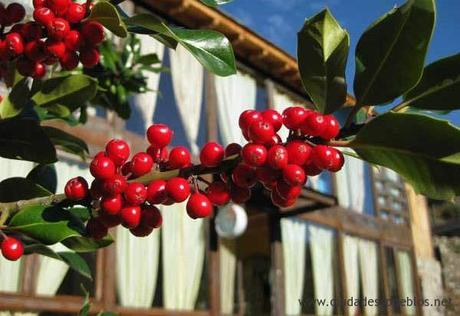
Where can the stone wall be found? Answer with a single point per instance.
(430, 274)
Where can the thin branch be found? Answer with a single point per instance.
(400, 106)
(338, 143)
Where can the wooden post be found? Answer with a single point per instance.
(342, 270)
(384, 273)
(277, 266)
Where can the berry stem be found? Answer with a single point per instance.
(88, 5)
(338, 143)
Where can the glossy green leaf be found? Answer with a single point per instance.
(212, 49)
(424, 150)
(73, 260)
(215, 3)
(148, 59)
(16, 100)
(106, 13)
(66, 141)
(390, 54)
(24, 139)
(17, 188)
(45, 176)
(439, 88)
(85, 244)
(322, 51)
(70, 90)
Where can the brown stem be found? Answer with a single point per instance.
(339, 143)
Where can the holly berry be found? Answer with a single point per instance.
(294, 175)
(135, 193)
(311, 169)
(31, 31)
(151, 216)
(59, 7)
(36, 51)
(130, 216)
(218, 193)
(76, 189)
(55, 48)
(109, 220)
(254, 155)
(275, 140)
(115, 185)
(332, 127)
(75, 13)
(277, 157)
(261, 131)
(322, 156)
(96, 229)
(118, 151)
(159, 135)
(298, 152)
(38, 71)
(15, 12)
(267, 176)
(314, 124)
(178, 189)
(102, 167)
(111, 205)
(158, 154)
(247, 118)
(287, 191)
(93, 32)
(274, 118)
(89, 56)
(244, 176)
(12, 249)
(141, 163)
(39, 3)
(44, 16)
(179, 157)
(240, 195)
(58, 28)
(232, 149)
(294, 116)
(279, 201)
(14, 44)
(156, 192)
(199, 206)
(212, 154)
(337, 160)
(73, 40)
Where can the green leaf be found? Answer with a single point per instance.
(85, 244)
(84, 311)
(71, 90)
(17, 188)
(215, 3)
(439, 88)
(322, 52)
(210, 48)
(424, 150)
(66, 141)
(149, 59)
(73, 260)
(24, 139)
(16, 100)
(106, 13)
(390, 54)
(45, 176)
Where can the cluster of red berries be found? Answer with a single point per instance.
(12, 248)
(59, 33)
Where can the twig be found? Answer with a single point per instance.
(338, 143)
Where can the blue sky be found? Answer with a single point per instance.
(279, 21)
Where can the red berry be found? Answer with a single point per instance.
(89, 56)
(76, 189)
(93, 32)
(311, 169)
(115, 185)
(287, 191)
(158, 154)
(69, 61)
(254, 155)
(14, 44)
(261, 131)
(267, 175)
(337, 160)
(58, 28)
(199, 206)
(178, 189)
(38, 71)
(96, 229)
(247, 118)
(39, 3)
(44, 16)
(141, 164)
(55, 48)
(277, 157)
(111, 205)
(179, 157)
(274, 118)
(151, 216)
(232, 149)
(12, 249)
(36, 51)
(298, 152)
(294, 116)
(332, 128)
(109, 220)
(25, 66)
(31, 31)
(159, 135)
(135, 193)
(130, 216)
(314, 124)
(59, 7)
(73, 40)
(102, 167)
(15, 12)
(218, 193)
(275, 140)
(244, 176)
(126, 169)
(118, 151)
(156, 192)
(75, 13)
(97, 189)
(141, 230)
(294, 175)
(240, 195)
(278, 200)
(322, 156)
(211, 154)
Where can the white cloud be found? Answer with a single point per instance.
(277, 27)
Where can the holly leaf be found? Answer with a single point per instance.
(66, 141)
(423, 149)
(16, 100)
(17, 188)
(215, 3)
(45, 176)
(390, 54)
(439, 88)
(24, 139)
(106, 13)
(322, 52)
